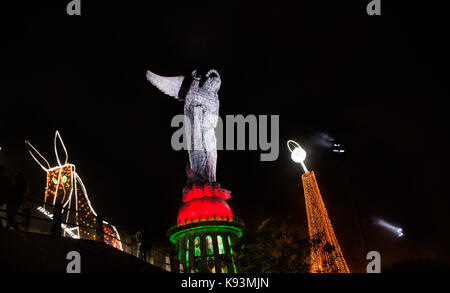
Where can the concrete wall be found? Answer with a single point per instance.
(31, 252)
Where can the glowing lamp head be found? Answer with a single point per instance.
(298, 155)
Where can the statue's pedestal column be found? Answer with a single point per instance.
(206, 230)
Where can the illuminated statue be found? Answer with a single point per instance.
(204, 208)
(201, 110)
(65, 188)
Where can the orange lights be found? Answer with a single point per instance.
(65, 188)
(59, 184)
(326, 255)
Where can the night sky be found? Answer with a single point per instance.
(376, 84)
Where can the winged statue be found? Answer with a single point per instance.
(201, 111)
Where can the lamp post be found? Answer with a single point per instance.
(340, 151)
(326, 255)
(298, 154)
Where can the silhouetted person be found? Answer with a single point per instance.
(5, 189)
(5, 186)
(19, 188)
(142, 241)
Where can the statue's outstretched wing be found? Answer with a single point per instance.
(168, 85)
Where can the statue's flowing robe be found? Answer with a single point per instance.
(201, 111)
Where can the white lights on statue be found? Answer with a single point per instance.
(298, 154)
(201, 95)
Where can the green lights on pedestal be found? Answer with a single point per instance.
(207, 245)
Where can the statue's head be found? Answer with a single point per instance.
(212, 82)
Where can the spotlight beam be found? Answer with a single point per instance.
(391, 228)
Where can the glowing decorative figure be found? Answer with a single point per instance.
(201, 110)
(65, 187)
(326, 255)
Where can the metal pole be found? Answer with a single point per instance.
(355, 210)
(56, 221)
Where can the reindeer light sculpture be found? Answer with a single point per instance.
(65, 187)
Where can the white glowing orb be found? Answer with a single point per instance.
(298, 155)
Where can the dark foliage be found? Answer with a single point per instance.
(274, 247)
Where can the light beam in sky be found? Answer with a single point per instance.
(392, 228)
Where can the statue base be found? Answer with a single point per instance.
(206, 230)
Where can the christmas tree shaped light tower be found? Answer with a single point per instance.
(326, 255)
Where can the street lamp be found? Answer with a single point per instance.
(298, 154)
(321, 233)
(340, 151)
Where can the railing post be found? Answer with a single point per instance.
(126, 238)
(167, 263)
(174, 264)
(132, 246)
(152, 257)
(99, 232)
(56, 222)
(27, 220)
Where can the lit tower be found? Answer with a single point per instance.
(206, 230)
(326, 255)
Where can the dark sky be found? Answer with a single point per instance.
(377, 84)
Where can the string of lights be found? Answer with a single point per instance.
(65, 187)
